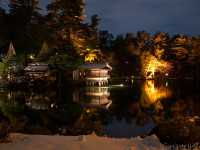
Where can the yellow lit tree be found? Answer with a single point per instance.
(91, 55)
(151, 65)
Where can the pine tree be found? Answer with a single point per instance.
(23, 10)
(23, 16)
(66, 17)
(2, 25)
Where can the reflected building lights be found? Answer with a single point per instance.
(93, 97)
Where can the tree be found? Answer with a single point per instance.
(161, 44)
(3, 29)
(92, 55)
(65, 18)
(95, 20)
(93, 38)
(194, 57)
(23, 16)
(180, 45)
(143, 39)
(105, 40)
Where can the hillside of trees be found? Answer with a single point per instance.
(63, 29)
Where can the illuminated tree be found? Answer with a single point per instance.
(91, 55)
(143, 39)
(65, 18)
(87, 36)
(152, 65)
(180, 47)
(194, 57)
(160, 44)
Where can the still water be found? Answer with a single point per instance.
(169, 109)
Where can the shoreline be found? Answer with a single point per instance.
(84, 142)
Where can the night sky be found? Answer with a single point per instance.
(122, 16)
(173, 16)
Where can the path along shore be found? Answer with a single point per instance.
(84, 142)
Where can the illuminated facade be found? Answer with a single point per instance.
(37, 70)
(93, 74)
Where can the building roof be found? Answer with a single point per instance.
(11, 51)
(96, 66)
(44, 50)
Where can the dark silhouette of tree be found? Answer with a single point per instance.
(3, 30)
(105, 40)
(21, 22)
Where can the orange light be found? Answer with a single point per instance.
(151, 65)
(153, 93)
(90, 57)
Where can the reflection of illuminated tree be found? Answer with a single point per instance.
(151, 95)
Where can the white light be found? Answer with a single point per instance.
(52, 105)
(121, 85)
(98, 79)
(118, 85)
(31, 57)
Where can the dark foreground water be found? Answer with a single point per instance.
(169, 109)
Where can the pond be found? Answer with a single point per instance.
(169, 109)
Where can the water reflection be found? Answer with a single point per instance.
(40, 101)
(111, 111)
(93, 97)
(152, 94)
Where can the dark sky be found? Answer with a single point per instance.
(173, 16)
(122, 16)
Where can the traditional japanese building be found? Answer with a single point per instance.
(93, 74)
(37, 70)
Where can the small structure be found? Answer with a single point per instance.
(44, 52)
(8, 65)
(11, 51)
(37, 70)
(93, 74)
